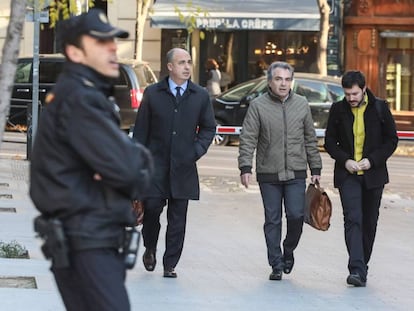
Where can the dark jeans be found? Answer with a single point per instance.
(361, 210)
(292, 193)
(176, 224)
(94, 282)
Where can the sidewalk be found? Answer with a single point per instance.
(224, 265)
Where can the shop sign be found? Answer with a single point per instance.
(236, 23)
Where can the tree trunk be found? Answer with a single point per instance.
(321, 61)
(9, 58)
(141, 17)
(229, 53)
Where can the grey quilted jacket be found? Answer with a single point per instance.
(283, 136)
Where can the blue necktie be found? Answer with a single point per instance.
(178, 94)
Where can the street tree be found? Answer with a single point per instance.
(143, 7)
(9, 57)
(321, 55)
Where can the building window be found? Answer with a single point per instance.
(399, 73)
(296, 48)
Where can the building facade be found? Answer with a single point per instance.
(244, 37)
(379, 36)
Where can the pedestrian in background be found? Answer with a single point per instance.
(260, 69)
(360, 137)
(214, 77)
(176, 122)
(279, 127)
(85, 170)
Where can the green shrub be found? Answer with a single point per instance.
(13, 250)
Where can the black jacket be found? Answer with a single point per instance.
(380, 139)
(78, 135)
(177, 134)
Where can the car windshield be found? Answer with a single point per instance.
(260, 87)
(145, 76)
(23, 72)
(314, 91)
(336, 91)
(237, 93)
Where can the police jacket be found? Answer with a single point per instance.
(78, 137)
(177, 134)
(380, 139)
(283, 135)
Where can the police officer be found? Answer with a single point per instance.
(85, 171)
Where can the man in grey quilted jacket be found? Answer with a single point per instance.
(279, 127)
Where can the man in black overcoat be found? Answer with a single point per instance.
(360, 136)
(176, 123)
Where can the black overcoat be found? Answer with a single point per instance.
(177, 134)
(380, 140)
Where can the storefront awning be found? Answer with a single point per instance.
(300, 15)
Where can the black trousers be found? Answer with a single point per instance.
(361, 210)
(176, 224)
(95, 281)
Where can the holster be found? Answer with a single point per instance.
(55, 246)
(130, 247)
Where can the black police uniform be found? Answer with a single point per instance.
(78, 136)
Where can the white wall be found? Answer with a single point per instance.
(122, 13)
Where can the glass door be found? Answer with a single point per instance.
(397, 73)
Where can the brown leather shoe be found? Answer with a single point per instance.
(170, 273)
(149, 259)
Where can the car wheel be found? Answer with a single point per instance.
(221, 139)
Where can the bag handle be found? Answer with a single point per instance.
(317, 184)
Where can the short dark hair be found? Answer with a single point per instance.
(275, 65)
(353, 77)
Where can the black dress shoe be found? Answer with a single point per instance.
(288, 262)
(356, 280)
(276, 275)
(149, 259)
(170, 273)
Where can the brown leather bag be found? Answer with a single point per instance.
(318, 207)
(138, 209)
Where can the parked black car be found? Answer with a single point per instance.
(134, 78)
(231, 106)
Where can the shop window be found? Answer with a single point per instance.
(294, 47)
(399, 73)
